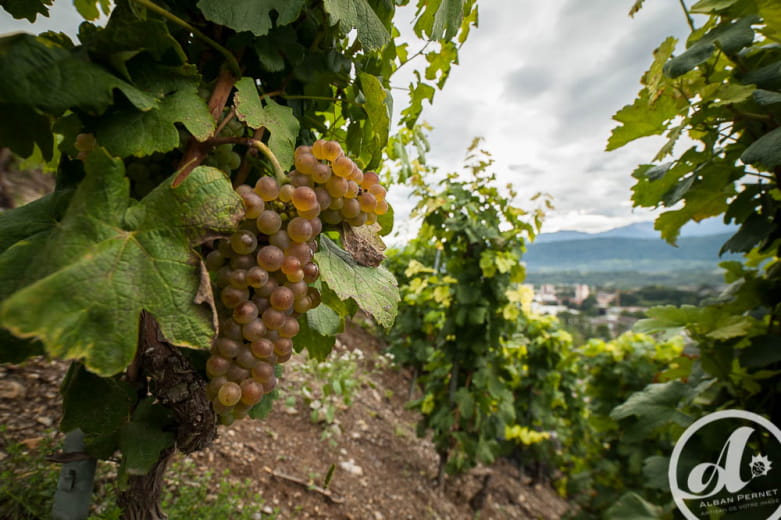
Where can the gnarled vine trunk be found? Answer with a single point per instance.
(176, 385)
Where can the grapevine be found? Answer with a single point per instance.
(264, 272)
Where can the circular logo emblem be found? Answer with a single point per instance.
(726, 465)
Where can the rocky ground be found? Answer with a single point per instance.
(381, 469)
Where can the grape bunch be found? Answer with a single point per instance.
(263, 272)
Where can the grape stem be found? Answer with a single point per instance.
(229, 57)
(265, 150)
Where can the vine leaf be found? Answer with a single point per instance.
(108, 259)
(378, 108)
(250, 15)
(440, 20)
(29, 9)
(277, 119)
(140, 133)
(89, 8)
(144, 437)
(359, 15)
(319, 327)
(765, 151)
(642, 118)
(373, 289)
(40, 72)
(730, 38)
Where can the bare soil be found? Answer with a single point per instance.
(382, 470)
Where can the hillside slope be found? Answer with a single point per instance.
(382, 469)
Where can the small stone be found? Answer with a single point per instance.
(46, 421)
(351, 467)
(267, 510)
(11, 390)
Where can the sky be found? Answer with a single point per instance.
(539, 81)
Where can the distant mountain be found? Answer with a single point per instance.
(610, 251)
(645, 230)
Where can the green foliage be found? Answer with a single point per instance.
(723, 93)
(463, 324)
(27, 480)
(149, 122)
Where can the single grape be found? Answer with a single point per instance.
(253, 330)
(214, 260)
(290, 264)
(321, 174)
(226, 348)
(369, 178)
(299, 229)
(256, 277)
(214, 386)
(253, 205)
(267, 188)
(286, 192)
(343, 166)
(280, 239)
(245, 312)
(358, 221)
(288, 329)
(331, 216)
(300, 250)
(304, 198)
(331, 150)
(305, 163)
(352, 190)
(270, 257)
(273, 318)
(245, 359)
(231, 297)
(265, 291)
(229, 394)
(237, 278)
(251, 392)
(299, 179)
(281, 299)
(351, 209)
(263, 372)
(262, 348)
(230, 329)
(317, 149)
(317, 226)
(336, 186)
(382, 207)
(242, 262)
(269, 222)
(367, 202)
(378, 191)
(283, 346)
(311, 272)
(302, 304)
(217, 366)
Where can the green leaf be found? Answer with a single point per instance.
(642, 118)
(378, 107)
(632, 506)
(94, 404)
(770, 11)
(440, 19)
(655, 405)
(144, 438)
(729, 37)
(763, 351)
(359, 15)
(29, 9)
(251, 15)
(108, 258)
(711, 6)
(318, 330)
(767, 97)
(41, 73)
(32, 218)
(261, 410)
(140, 133)
(655, 472)
(754, 229)
(21, 128)
(765, 151)
(279, 120)
(373, 289)
(89, 8)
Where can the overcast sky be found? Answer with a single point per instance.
(540, 82)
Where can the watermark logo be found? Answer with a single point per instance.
(723, 466)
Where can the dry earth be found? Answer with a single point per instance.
(382, 469)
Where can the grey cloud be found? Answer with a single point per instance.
(528, 82)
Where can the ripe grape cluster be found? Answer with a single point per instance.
(263, 272)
